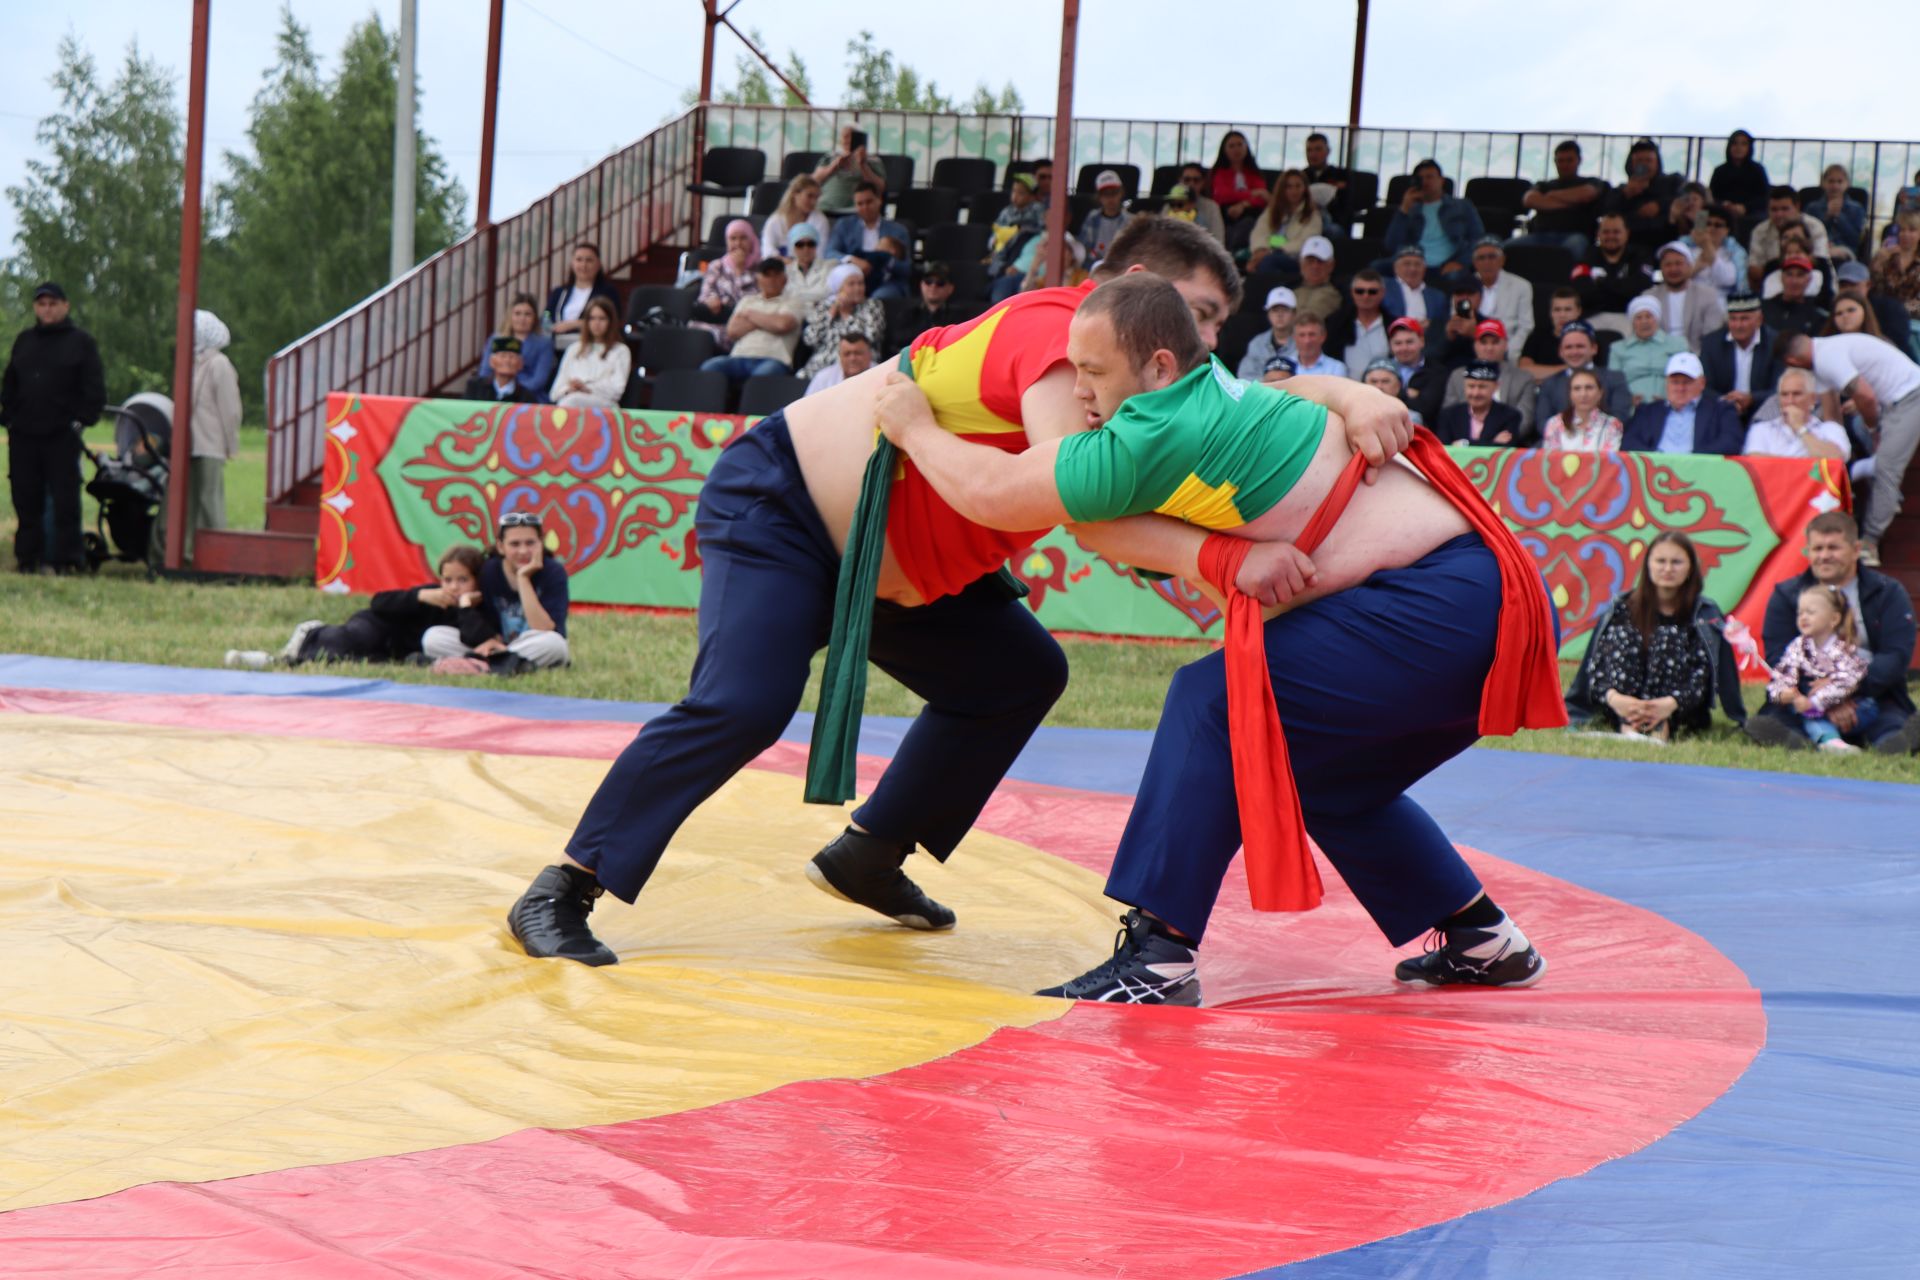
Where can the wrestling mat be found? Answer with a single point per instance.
(259, 1015)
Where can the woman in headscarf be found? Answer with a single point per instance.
(215, 427)
(846, 309)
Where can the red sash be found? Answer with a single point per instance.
(1522, 689)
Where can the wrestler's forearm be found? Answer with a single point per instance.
(989, 486)
(1158, 543)
(1343, 396)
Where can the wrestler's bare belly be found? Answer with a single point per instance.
(1388, 524)
(833, 435)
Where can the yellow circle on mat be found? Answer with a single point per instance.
(225, 954)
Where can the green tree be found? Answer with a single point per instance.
(986, 103)
(303, 222)
(877, 81)
(101, 214)
(753, 87)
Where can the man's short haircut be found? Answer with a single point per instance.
(1564, 291)
(867, 185)
(1171, 249)
(1644, 144)
(1367, 275)
(1615, 215)
(1317, 136)
(1148, 315)
(1568, 145)
(1783, 346)
(770, 267)
(1429, 162)
(1839, 522)
(1796, 372)
(856, 336)
(1782, 193)
(1313, 318)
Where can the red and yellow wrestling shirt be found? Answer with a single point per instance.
(974, 375)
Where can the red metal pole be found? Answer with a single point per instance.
(1359, 80)
(706, 51)
(1062, 149)
(178, 483)
(483, 207)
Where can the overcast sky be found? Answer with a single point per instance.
(579, 81)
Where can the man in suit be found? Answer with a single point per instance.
(1516, 386)
(1738, 357)
(1688, 307)
(1685, 422)
(1577, 349)
(1480, 419)
(1410, 297)
(1423, 380)
(501, 381)
(861, 234)
(1503, 296)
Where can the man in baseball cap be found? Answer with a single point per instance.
(1795, 309)
(54, 382)
(1515, 385)
(1479, 418)
(1282, 306)
(1315, 290)
(1108, 219)
(1685, 422)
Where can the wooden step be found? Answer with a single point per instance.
(287, 517)
(304, 494)
(253, 554)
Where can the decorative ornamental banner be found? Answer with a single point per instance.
(616, 491)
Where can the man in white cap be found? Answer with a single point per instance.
(1689, 307)
(1316, 291)
(1641, 357)
(1277, 340)
(1106, 221)
(1685, 422)
(1884, 386)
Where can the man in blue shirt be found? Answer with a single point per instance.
(1684, 422)
(1445, 227)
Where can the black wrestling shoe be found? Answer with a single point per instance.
(1769, 732)
(1500, 957)
(865, 870)
(550, 920)
(1146, 968)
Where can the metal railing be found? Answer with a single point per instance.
(424, 331)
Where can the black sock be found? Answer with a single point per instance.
(1162, 929)
(1481, 914)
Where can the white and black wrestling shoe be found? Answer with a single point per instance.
(1146, 968)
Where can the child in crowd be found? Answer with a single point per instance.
(1822, 667)
(391, 627)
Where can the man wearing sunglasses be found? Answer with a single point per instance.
(1357, 332)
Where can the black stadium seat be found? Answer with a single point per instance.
(676, 303)
(967, 176)
(690, 390)
(1498, 193)
(1363, 188)
(1240, 328)
(762, 395)
(899, 171)
(928, 206)
(766, 198)
(955, 241)
(666, 348)
(1165, 178)
(729, 171)
(1546, 266)
(795, 163)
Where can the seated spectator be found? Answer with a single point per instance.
(1540, 354)
(593, 373)
(1107, 218)
(1657, 655)
(1315, 290)
(1577, 351)
(853, 356)
(1740, 184)
(1277, 340)
(1799, 431)
(857, 240)
(841, 169)
(1783, 211)
(1854, 280)
(1884, 386)
(934, 308)
(726, 280)
(1564, 206)
(1319, 173)
(1718, 258)
(1408, 293)
(1023, 218)
(501, 383)
(1456, 334)
(1043, 186)
(1687, 306)
(763, 329)
(1424, 381)
(536, 349)
(1515, 387)
(1642, 200)
(1357, 332)
(390, 628)
(527, 595)
(1479, 419)
(1687, 211)
(846, 309)
(1819, 279)
(1885, 613)
(1503, 296)
(1641, 357)
(1844, 217)
(1611, 274)
(1896, 268)
(890, 268)
(1032, 264)
(799, 204)
(1384, 375)
(1793, 311)
(1195, 205)
(1278, 369)
(1309, 343)
(568, 302)
(1738, 357)
(807, 272)
(1238, 187)
(1284, 225)
(1851, 314)
(1822, 668)
(1583, 426)
(1685, 422)
(1445, 228)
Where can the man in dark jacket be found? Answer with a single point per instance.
(501, 382)
(1738, 357)
(1883, 611)
(1686, 421)
(1481, 419)
(53, 382)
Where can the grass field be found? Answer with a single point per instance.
(122, 616)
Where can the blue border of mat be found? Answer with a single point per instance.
(1810, 1164)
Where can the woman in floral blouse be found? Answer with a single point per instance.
(846, 309)
(1583, 427)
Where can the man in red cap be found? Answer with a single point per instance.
(1424, 381)
(1516, 386)
(1791, 310)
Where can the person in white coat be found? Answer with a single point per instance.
(215, 427)
(593, 373)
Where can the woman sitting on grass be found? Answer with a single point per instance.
(391, 628)
(1657, 654)
(526, 597)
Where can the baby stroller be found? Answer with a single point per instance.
(131, 483)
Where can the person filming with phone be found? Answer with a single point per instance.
(841, 169)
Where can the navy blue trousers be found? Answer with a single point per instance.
(1377, 686)
(985, 666)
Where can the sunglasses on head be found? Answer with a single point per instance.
(520, 520)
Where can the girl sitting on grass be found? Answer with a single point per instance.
(391, 627)
(1822, 667)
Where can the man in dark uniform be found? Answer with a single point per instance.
(53, 382)
(501, 381)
